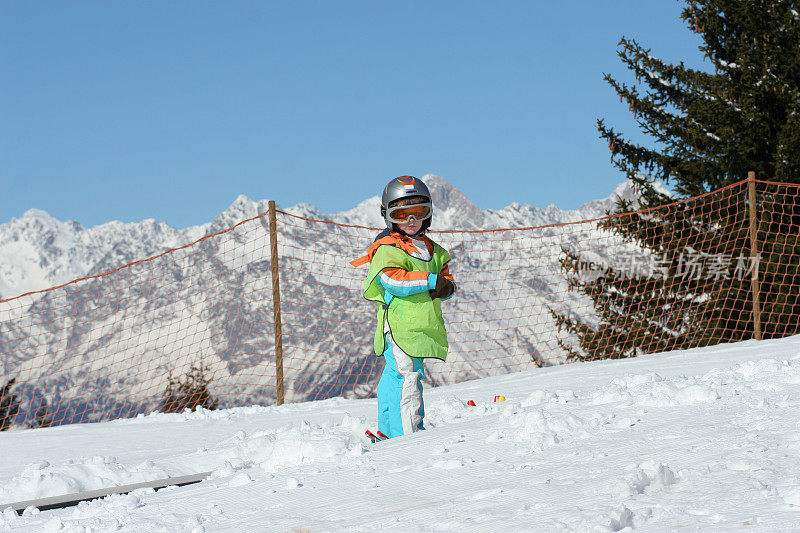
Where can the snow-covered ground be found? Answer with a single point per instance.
(697, 439)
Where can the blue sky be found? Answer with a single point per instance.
(171, 109)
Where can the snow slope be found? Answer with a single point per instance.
(699, 439)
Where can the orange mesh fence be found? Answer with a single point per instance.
(195, 325)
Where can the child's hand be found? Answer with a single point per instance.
(444, 288)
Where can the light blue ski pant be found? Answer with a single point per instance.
(400, 407)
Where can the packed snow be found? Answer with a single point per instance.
(699, 439)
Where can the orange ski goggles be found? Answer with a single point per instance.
(403, 213)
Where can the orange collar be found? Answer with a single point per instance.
(393, 239)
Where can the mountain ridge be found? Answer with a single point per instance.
(38, 251)
(108, 346)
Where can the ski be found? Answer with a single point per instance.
(375, 438)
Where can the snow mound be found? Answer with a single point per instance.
(699, 439)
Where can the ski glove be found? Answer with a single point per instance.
(444, 288)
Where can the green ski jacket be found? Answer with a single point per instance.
(415, 321)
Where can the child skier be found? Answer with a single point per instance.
(408, 278)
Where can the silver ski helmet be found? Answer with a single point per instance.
(399, 188)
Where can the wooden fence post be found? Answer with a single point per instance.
(276, 302)
(754, 256)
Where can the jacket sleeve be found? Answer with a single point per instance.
(446, 273)
(400, 282)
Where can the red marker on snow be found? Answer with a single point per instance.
(471, 403)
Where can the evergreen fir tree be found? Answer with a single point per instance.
(189, 392)
(709, 129)
(9, 406)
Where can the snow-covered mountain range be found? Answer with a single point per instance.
(37, 251)
(107, 346)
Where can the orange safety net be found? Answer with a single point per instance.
(195, 325)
